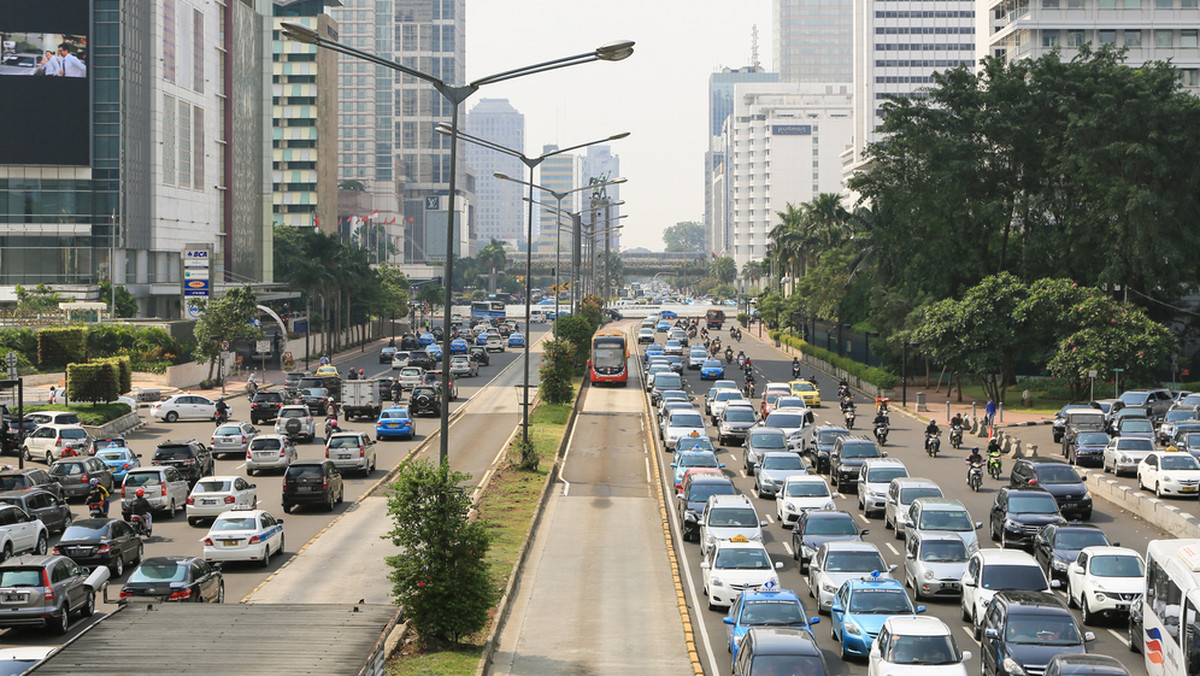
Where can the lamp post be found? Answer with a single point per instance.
(455, 95)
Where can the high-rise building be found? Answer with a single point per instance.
(500, 212)
(785, 141)
(559, 173)
(597, 166)
(814, 40)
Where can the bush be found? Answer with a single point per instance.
(59, 346)
(93, 382)
(577, 330)
(743, 319)
(557, 369)
(89, 414)
(876, 376)
(124, 368)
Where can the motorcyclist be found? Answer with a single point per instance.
(994, 447)
(741, 358)
(749, 384)
(222, 409)
(932, 431)
(729, 355)
(748, 365)
(141, 507)
(98, 495)
(252, 381)
(880, 419)
(795, 367)
(957, 421)
(353, 375)
(974, 457)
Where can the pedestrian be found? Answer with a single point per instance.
(990, 411)
(52, 395)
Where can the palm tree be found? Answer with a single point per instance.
(827, 220)
(788, 240)
(724, 270)
(491, 258)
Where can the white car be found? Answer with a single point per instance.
(722, 398)
(1105, 580)
(1123, 454)
(836, 562)
(790, 403)
(1169, 474)
(462, 365)
(20, 532)
(682, 423)
(996, 570)
(49, 441)
(911, 645)
(874, 477)
(410, 377)
(900, 494)
(673, 347)
(53, 417)
(726, 517)
(351, 451)
(792, 423)
(185, 407)
(696, 357)
(270, 451)
(400, 359)
(802, 493)
(304, 427)
(494, 343)
(734, 565)
(244, 535)
(216, 494)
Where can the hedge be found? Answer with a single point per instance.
(876, 376)
(93, 382)
(59, 346)
(124, 371)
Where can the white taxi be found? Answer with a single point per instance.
(733, 566)
(214, 495)
(244, 534)
(801, 493)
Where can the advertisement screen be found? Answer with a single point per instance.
(44, 80)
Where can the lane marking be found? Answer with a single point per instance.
(1119, 637)
(742, 473)
(649, 479)
(970, 632)
(891, 548)
(864, 519)
(770, 520)
(787, 547)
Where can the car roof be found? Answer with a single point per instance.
(738, 544)
(776, 593)
(1006, 556)
(1042, 461)
(1031, 602)
(220, 477)
(739, 500)
(939, 504)
(916, 625)
(93, 522)
(1100, 550)
(1025, 489)
(852, 546)
(878, 582)
(241, 512)
(1090, 663)
(906, 481)
(830, 428)
(31, 560)
(763, 428)
(781, 641)
(871, 462)
(804, 478)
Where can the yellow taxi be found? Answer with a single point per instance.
(807, 391)
(327, 370)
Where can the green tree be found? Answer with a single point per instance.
(126, 305)
(38, 299)
(557, 370)
(723, 269)
(434, 294)
(226, 318)
(491, 260)
(441, 576)
(684, 236)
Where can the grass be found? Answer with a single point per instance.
(507, 507)
(89, 414)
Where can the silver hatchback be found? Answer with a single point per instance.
(270, 452)
(232, 439)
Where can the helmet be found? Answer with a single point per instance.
(94, 482)
(140, 492)
(975, 450)
(360, 372)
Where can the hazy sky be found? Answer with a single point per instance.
(659, 94)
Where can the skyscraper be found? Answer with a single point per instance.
(814, 40)
(559, 173)
(600, 165)
(499, 213)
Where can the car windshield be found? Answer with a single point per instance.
(80, 532)
(923, 650)
(694, 443)
(1176, 416)
(212, 486)
(1092, 439)
(742, 559)
(701, 492)
(883, 475)
(1032, 504)
(1135, 445)
(264, 444)
(293, 412)
(393, 415)
(712, 364)
(866, 450)
(767, 440)
(944, 551)
(667, 381)
(786, 420)
(739, 414)
(228, 431)
(21, 577)
(1001, 577)
(13, 482)
(160, 571)
(686, 420)
(1117, 565)
(783, 461)
(1192, 439)
(1136, 425)
(947, 519)
(804, 387)
(771, 612)
(305, 472)
(1057, 474)
(830, 436)
(880, 602)
(701, 459)
(1134, 398)
(313, 392)
(113, 455)
(854, 562)
(1184, 462)
(726, 395)
(1042, 630)
(837, 524)
(234, 523)
(766, 665)
(1078, 539)
(733, 517)
(66, 469)
(806, 489)
(142, 478)
(343, 442)
(907, 495)
(173, 453)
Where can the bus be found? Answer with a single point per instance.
(487, 311)
(1170, 639)
(715, 317)
(610, 354)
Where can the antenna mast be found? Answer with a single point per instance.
(754, 48)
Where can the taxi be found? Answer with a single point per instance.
(244, 534)
(327, 370)
(516, 340)
(395, 422)
(734, 565)
(689, 459)
(481, 339)
(807, 391)
(768, 605)
(120, 459)
(712, 369)
(458, 346)
(860, 608)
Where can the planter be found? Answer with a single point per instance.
(129, 421)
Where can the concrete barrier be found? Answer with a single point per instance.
(1143, 505)
(128, 422)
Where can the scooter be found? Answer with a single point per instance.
(849, 415)
(98, 510)
(975, 476)
(331, 427)
(741, 360)
(933, 444)
(728, 357)
(750, 389)
(881, 433)
(796, 372)
(138, 523)
(956, 433)
(993, 465)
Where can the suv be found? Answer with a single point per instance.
(846, 457)
(1156, 402)
(990, 571)
(51, 441)
(726, 516)
(900, 494)
(1025, 629)
(425, 399)
(20, 532)
(874, 477)
(462, 365)
(190, 457)
(794, 648)
(29, 479)
(312, 482)
(296, 422)
(165, 487)
(696, 490)
(1060, 479)
(43, 506)
(269, 451)
(351, 451)
(479, 355)
(43, 591)
(1076, 420)
(265, 406)
(944, 516)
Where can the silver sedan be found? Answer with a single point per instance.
(232, 438)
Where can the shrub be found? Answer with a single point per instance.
(59, 346)
(558, 366)
(577, 330)
(124, 368)
(93, 382)
(743, 319)
(876, 376)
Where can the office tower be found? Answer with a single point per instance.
(597, 166)
(559, 173)
(814, 40)
(500, 212)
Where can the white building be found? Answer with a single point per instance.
(785, 143)
(600, 165)
(500, 213)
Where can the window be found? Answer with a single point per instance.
(1075, 38)
(1107, 37)
(1050, 38)
(1133, 38)
(1190, 77)
(1188, 4)
(1164, 38)
(1108, 4)
(1133, 4)
(1164, 4)
(1187, 38)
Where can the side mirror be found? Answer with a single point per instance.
(920, 609)
(966, 655)
(836, 496)
(884, 454)
(991, 633)
(672, 465)
(909, 524)
(864, 532)
(1089, 636)
(1055, 584)
(779, 565)
(704, 565)
(253, 485)
(910, 555)
(279, 521)
(835, 608)
(722, 466)
(968, 581)
(814, 620)
(978, 525)
(1116, 544)
(137, 455)
(891, 567)
(727, 620)
(762, 524)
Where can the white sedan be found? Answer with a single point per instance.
(801, 493)
(244, 535)
(1105, 580)
(916, 645)
(1169, 474)
(1124, 453)
(734, 565)
(185, 407)
(214, 495)
(410, 377)
(682, 423)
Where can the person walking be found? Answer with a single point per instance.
(71, 65)
(53, 392)
(990, 410)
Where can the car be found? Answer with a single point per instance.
(45, 506)
(725, 517)
(409, 342)
(662, 326)
(1086, 448)
(386, 354)
(759, 441)
(645, 336)
(411, 376)
(820, 442)
(777, 388)
(462, 365)
(395, 422)
(327, 370)
(351, 451)
(191, 458)
(793, 423)
(767, 606)
(166, 579)
(45, 591)
(296, 422)
(837, 562)
(772, 469)
(672, 396)
(1156, 402)
(53, 417)
(232, 439)
(664, 382)
(265, 406)
(421, 359)
(1024, 629)
(434, 379)
(769, 400)
(692, 497)
(1124, 454)
(675, 362)
(185, 407)
(51, 441)
(946, 516)
(673, 347)
(1185, 439)
(1060, 479)
(1169, 474)
(779, 650)
(934, 564)
(434, 351)
(107, 442)
(516, 340)
(846, 458)
(426, 339)
(244, 534)
(666, 407)
(687, 460)
(735, 424)
(1105, 581)
(900, 494)
(165, 488)
(717, 387)
(712, 369)
(101, 542)
(874, 478)
(654, 349)
(1059, 425)
(270, 452)
(816, 528)
(75, 475)
(458, 346)
(400, 359)
(1018, 514)
(990, 571)
(1135, 427)
(21, 532)
(480, 355)
(678, 334)
(30, 478)
(315, 399)
(696, 357)
(721, 399)
(860, 608)
(213, 495)
(802, 493)
(910, 645)
(789, 402)
(733, 565)
(494, 343)
(426, 400)
(1084, 419)
(806, 390)
(681, 423)
(1177, 414)
(312, 482)
(119, 460)
(1085, 664)
(694, 444)
(1055, 547)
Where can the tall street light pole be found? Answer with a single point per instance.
(455, 95)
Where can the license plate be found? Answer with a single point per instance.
(230, 543)
(344, 456)
(307, 489)
(210, 502)
(949, 585)
(1187, 489)
(15, 598)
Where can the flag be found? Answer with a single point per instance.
(372, 214)
(714, 253)
(316, 224)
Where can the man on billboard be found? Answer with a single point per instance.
(71, 65)
(51, 64)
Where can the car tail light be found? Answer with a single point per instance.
(125, 594)
(46, 585)
(56, 551)
(285, 483)
(325, 483)
(229, 499)
(191, 500)
(122, 492)
(282, 451)
(154, 462)
(212, 440)
(163, 486)
(326, 452)
(83, 479)
(189, 461)
(362, 451)
(243, 438)
(104, 549)
(248, 456)
(208, 541)
(125, 466)
(253, 405)
(254, 540)
(181, 595)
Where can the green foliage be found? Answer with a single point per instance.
(59, 346)
(89, 414)
(22, 341)
(126, 305)
(743, 319)
(226, 318)
(876, 376)
(124, 368)
(93, 382)
(433, 294)
(441, 576)
(685, 236)
(578, 331)
(557, 370)
(38, 299)
(724, 270)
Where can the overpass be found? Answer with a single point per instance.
(636, 263)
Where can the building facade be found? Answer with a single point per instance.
(814, 40)
(559, 173)
(598, 165)
(500, 212)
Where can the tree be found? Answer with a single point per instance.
(226, 318)
(441, 576)
(433, 294)
(39, 299)
(557, 370)
(684, 236)
(724, 270)
(490, 260)
(126, 305)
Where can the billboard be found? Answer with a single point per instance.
(45, 78)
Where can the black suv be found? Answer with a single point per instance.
(312, 482)
(1019, 513)
(191, 458)
(265, 406)
(409, 342)
(425, 399)
(1057, 477)
(1028, 629)
(28, 479)
(845, 459)
(480, 354)
(694, 495)
(420, 358)
(1057, 546)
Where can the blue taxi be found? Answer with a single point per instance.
(861, 607)
(395, 422)
(481, 339)
(426, 339)
(668, 314)
(458, 346)
(768, 605)
(689, 459)
(712, 369)
(434, 351)
(654, 348)
(516, 340)
(120, 459)
(662, 326)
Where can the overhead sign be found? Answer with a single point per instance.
(791, 129)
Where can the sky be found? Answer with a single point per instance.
(659, 94)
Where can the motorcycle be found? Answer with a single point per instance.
(933, 444)
(252, 388)
(881, 433)
(138, 523)
(728, 357)
(749, 389)
(741, 360)
(796, 372)
(331, 427)
(222, 416)
(956, 434)
(993, 465)
(849, 415)
(975, 476)
(843, 391)
(97, 509)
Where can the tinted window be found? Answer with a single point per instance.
(687, 420)
(866, 450)
(1179, 461)
(807, 489)
(1078, 539)
(305, 472)
(667, 381)
(943, 551)
(701, 492)
(160, 571)
(12, 482)
(1032, 504)
(767, 440)
(907, 495)
(1093, 439)
(739, 414)
(733, 517)
(1117, 565)
(779, 419)
(788, 461)
(66, 469)
(742, 559)
(840, 525)
(1056, 474)
(854, 562)
(945, 519)
(1042, 630)
(1135, 444)
(880, 601)
(112, 455)
(343, 442)
(264, 445)
(1013, 577)
(923, 650)
(78, 532)
(72, 433)
(21, 577)
(212, 486)
(880, 475)
(172, 453)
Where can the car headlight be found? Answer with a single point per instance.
(1167, 479)
(829, 506)
(877, 494)
(757, 537)
(1100, 597)
(929, 575)
(1011, 525)
(716, 582)
(1058, 564)
(1013, 667)
(1123, 458)
(789, 506)
(852, 629)
(828, 588)
(1087, 496)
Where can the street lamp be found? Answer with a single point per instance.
(455, 95)
(532, 163)
(593, 233)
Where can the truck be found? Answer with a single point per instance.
(361, 399)
(714, 318)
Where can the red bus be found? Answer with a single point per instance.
(610, 354)
(714, 318)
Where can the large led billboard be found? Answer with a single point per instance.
(44, 82)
